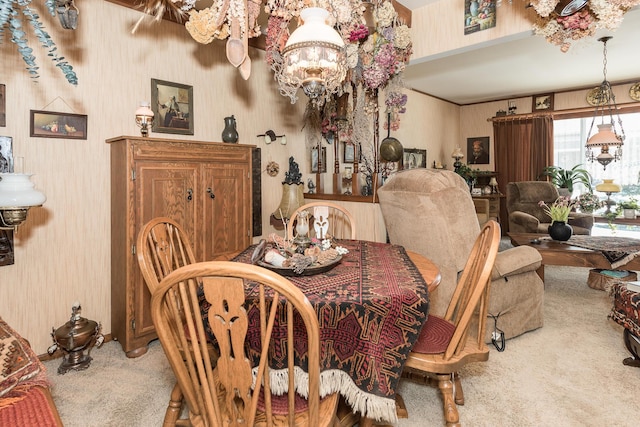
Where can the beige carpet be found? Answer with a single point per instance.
(568, 373)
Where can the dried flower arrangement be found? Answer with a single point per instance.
(595, 15)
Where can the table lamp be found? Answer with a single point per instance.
(493, 183)
(608, 187)
(457, 155)
(144, 117)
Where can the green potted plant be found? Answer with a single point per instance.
(467, 173)
(567, 178)
(628, 207)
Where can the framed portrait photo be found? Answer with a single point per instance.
(414, 158)
(542, 102)
(172, 106)
(478, 150)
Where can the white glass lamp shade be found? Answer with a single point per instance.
(493, 181)
(604, 137)
(457, 154)
(314, 56)
(144, 117)
(17, 191)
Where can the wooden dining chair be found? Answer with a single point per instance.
(207, 300)
(162, 247)
(447, 343)
(333, 219)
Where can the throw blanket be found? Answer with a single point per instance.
(371, 308)
(626, 308)
(617, 250)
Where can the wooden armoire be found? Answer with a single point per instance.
(204, 186)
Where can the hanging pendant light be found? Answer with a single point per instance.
(313, 57)
(609, 139)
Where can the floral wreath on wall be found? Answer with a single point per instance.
(590, 16)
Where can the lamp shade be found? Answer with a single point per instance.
(144, 110)
(604, 137)
(314, 56)
(457, 154)
(16, 191)
(608, 186)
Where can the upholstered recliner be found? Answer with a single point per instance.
(432, 213)
(527, 216)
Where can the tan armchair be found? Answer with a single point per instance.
(527, 216)
(432, 213)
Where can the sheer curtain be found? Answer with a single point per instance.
(523, 148)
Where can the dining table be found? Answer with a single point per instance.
(371, 307)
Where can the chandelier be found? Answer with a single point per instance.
(609, 138)
(313, 57)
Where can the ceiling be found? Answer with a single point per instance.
(525, 66)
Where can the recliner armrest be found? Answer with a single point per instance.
(525, 220)
(515, 261)
(583, 220)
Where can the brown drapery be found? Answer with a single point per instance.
(523, 148)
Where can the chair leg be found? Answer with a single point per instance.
(174, 408)
(459, 393)
(445, 385)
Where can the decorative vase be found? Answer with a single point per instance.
(560, 230)
(474, 8)
(230, 134)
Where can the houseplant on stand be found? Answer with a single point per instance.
(565, 179)
(559, 213)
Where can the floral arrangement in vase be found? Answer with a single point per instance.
(589, 202)
(559, 210)
(591, 16)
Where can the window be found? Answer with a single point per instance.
(569, 138)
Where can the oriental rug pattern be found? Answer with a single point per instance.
(371, 308)
(617, 250)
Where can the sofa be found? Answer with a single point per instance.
(527, 216)
(431, 212)
(25, 399)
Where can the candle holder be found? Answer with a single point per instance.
(302, 240)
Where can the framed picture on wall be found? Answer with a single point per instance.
(350, 152)
(48, 124)
(172, 105)
(314, 160)
(542, 102)
(478, 150)
(414, 158)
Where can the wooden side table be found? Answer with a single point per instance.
(626, 312)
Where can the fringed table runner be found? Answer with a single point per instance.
(617, 250)
(371, 308)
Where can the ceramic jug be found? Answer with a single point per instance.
(230, 134)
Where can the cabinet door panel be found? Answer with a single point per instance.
(162, 189)
(227, 215)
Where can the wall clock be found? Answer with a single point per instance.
(634, 92)
(595, 98)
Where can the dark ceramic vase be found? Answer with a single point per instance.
(229, 133)
(559, 230)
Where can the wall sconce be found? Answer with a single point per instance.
(17, 196)
(144, 117)
(270, 136)
(457, 155)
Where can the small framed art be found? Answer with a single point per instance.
(350, 152)
(542, 102)
(314, 160)
(48, 124)
(414, 158)
(172, 105)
